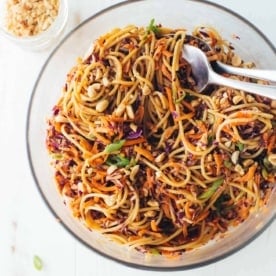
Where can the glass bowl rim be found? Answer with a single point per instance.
(36, 180)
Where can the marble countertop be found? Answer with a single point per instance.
(28, 228)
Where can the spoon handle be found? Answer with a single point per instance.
(262, 74)
(258, 89)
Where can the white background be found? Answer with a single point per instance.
(27, 227)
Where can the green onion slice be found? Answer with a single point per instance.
(38, 264)
(118, 161)
(114, 146)
(211, 190)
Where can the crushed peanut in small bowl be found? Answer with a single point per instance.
(30, 17)
(33, 24)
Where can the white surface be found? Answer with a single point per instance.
(27, 227)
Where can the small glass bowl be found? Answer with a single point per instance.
(42, 40)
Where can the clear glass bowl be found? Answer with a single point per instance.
(43, 40)
(252, 45)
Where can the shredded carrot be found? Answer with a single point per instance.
(232, 124)
(100, 174)
(101, 138)
(250, 173)
(188, 105)
(139, 114)
(168, 132)
(201, 126)
(149, 182)
(158, 52)
(167, 53)
(58, 127)
(133, 238)
(243, 114)
(166, 209)
(194, 136)
(187, 210)
(97, 161)
(185, 230)
(184, 117)
(153, 225)
(94, 149)
(144, 152)
(101, 187)
(134, 141)
(243, 211)
(127, 66)
(271, 143)
(165, 72)
(257, 179)
(265, 138)
(170, 100)
(116, 119)
(229, 131)
(202, 216)
(218, 161)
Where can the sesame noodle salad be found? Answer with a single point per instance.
(140, 156)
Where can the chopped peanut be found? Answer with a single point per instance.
(30, 17)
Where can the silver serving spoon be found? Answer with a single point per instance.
(205, 75)
(262, 74)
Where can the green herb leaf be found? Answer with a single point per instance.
(211, 190)
(38, 264)
(114, 146)
(152, 27)
(57, 156)
(227, 164)
(118, 161)
(154, 251)
(210, 139)
(240, 146)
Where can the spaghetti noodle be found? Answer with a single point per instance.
(143, 158)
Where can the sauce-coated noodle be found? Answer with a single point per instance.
(142, 157)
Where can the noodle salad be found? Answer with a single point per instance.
(140, 156)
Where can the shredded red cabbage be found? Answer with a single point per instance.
(134, 134)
